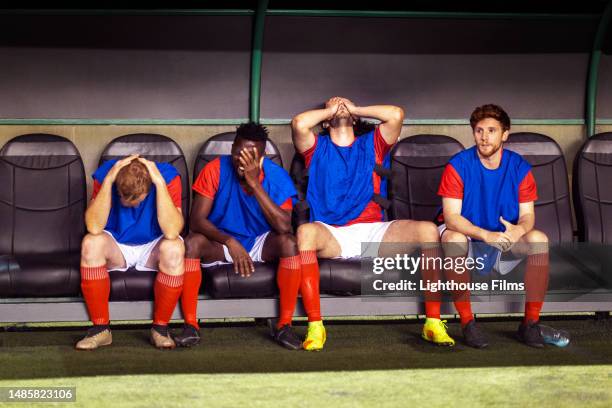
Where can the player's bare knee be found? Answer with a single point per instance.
(538, 242)
(428, 232)
(454, 243)
(287, 244)
(194, 242)
(171, 256)
(93, 247)
(307, 235)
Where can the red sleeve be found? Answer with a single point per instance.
(307, 154)
(451, 185)
(287, 205)
(96, 188)
(207, 183)
(527, 189)
(381, 147)
(175, 190)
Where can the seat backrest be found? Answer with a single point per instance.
(42, 195)
(153, 147)
(417, 163)
(553, 210)
(221, 145)
(592, 192)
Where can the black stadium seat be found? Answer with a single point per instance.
(221, 281)
(592, 193)
(417, 163)
(42, 203)
(138, 285)
(553, 210)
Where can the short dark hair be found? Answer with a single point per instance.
(490, 111)
(252, 131)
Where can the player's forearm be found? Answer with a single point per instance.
(208, 229)
(96, 215)
(384, 113)
(169, 217)
(462, 225)
(526, 222)
(279, 219)
(305, 121)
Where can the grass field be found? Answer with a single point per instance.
(365, 363)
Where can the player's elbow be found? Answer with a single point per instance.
(298, 125)
(397, 114)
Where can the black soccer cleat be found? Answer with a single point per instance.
(474, 336)
(190, 336)
(530, 334)
(286, 337)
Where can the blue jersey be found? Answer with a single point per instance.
(135, 225)
(239, 214)
(340, 179)
(488, 194)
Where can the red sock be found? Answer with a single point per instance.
(536, 284)
(288, 278)
(95, 285)
(309, 286)
(191, 286)
(461, 299)
(429, 273)
(167, 291)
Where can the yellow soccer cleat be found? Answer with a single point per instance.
(434, 330)
(315, 339)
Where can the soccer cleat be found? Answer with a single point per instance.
(434, 330)
(160, 338)
(190, 336)
(559, 338)
(93, 341)
(286, 337)
(474, 336)
(529, 333)
(316, 336)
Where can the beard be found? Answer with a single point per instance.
(489, 151)
(341, 121)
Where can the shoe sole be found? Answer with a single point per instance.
(162, 347)
(437, 344)
(187, 343)
(95, 348)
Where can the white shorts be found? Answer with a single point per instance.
(136, 255)
(254, 253)
(504, 264)
(351, 237)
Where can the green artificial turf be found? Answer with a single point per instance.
(363, 364)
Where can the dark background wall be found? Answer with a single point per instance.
(435, 68)
(183, 67)
(197, 67)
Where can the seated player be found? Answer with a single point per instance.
(133, 220)
(342, 187)
(488, 195)
(242, 214)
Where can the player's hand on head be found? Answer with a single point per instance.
(156, 177)
(119, 164)
(243, 264)
(250, 164)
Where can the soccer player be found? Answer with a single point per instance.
(242, 214)
(133, 220)
(341, 193)
(488, 195)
